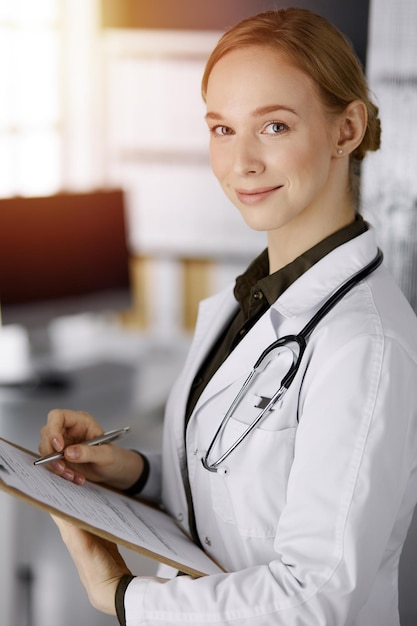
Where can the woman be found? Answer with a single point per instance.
(308, 514)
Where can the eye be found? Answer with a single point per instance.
(220, 131)
(275, 128)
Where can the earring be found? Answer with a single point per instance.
(340, 151)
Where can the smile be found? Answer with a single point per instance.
(253, 196)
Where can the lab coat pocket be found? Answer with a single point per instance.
(249, 489)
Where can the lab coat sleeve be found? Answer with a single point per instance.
(354, 452)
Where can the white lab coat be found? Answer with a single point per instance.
(310, 513)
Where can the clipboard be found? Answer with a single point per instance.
(102, 511)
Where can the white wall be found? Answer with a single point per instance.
(156, 146)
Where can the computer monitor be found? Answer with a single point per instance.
(61, 255)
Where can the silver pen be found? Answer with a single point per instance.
(111, 435)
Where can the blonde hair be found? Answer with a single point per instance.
(319, 49)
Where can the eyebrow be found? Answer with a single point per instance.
(258, 112)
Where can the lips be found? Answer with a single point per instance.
(253, 196)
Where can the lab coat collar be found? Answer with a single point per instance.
(314, 287)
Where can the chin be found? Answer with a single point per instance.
(261, 223)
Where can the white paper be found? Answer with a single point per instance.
(121, 516)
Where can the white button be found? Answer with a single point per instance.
(180, 517)
(223, 470)
(207, 541)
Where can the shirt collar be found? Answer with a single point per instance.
(257, 278)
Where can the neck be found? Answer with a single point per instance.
(287, 243)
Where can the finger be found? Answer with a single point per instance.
(51, 437)
(65, 427)
(53, 433)
(82, 540)
(101, 455)
(68, 473)
(108, 463)
(75, 538)
(73, 425)
(71, 534)
(63, 525)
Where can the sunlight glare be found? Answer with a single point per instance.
(30, 11)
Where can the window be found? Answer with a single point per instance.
(31, 98)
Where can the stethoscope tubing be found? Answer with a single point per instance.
(301, 340)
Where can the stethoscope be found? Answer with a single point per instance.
(297, 345)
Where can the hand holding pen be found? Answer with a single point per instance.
(75, 449)
(108, 437)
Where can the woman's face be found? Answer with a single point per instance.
(272, 144)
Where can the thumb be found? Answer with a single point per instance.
(82, 453)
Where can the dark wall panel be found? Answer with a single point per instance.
(350, 16)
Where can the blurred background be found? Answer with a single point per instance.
(112, 228)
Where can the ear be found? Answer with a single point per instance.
(352, 127)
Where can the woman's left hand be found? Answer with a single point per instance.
(99, 564)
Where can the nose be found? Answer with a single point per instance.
(247, 157)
